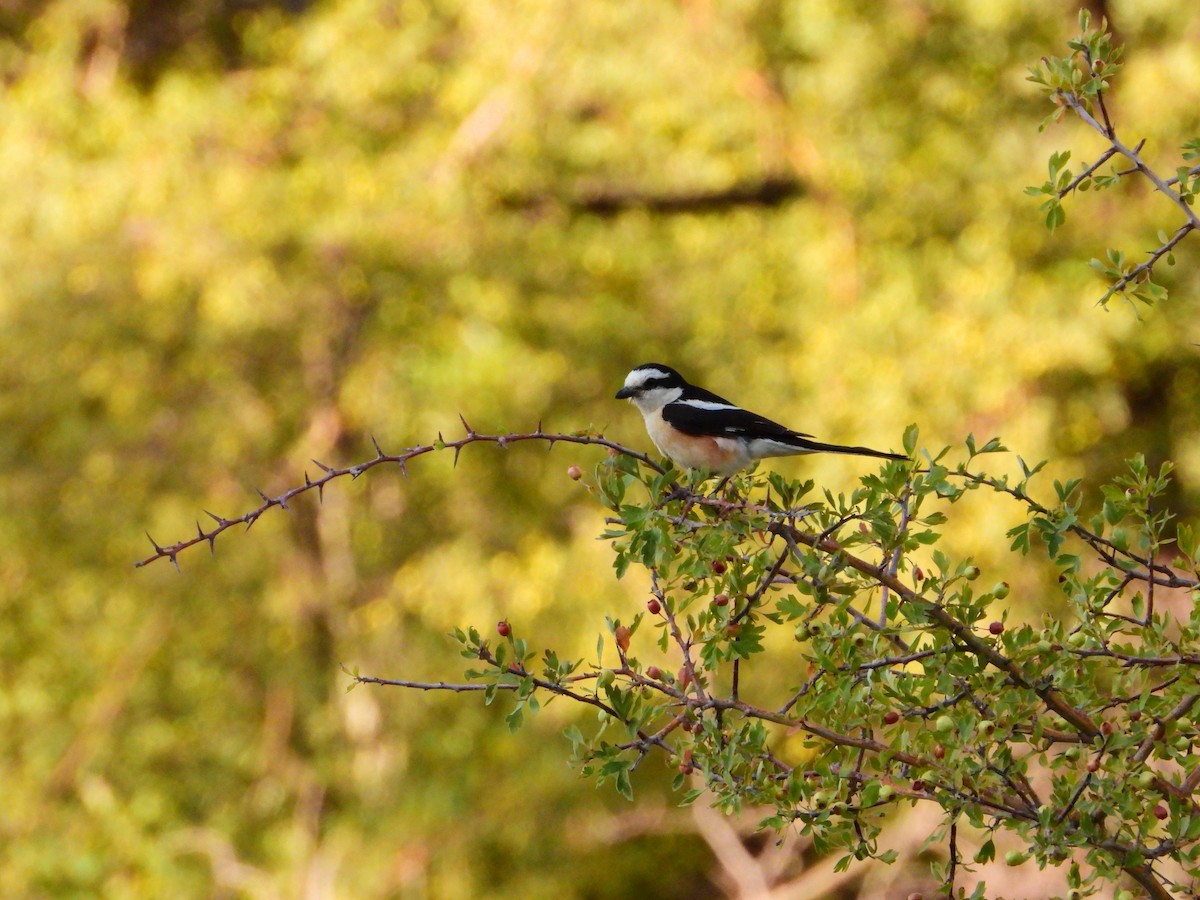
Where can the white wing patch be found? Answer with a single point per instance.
(705, 404)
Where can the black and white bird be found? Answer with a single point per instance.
(699, 430)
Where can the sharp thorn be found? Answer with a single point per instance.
(267, 499)
(282, 501)
(251, 518)
(320, 465)
(355, 471)
(154, 544)
(218, 519)
(403, 469)
(307, 481)
(457, 450)
(175, 563)
(321, 492)
(469, 429)
(200, 531)
(212, 545)
(378, 450)
(539, 428)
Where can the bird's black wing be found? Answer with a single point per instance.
(710, 415)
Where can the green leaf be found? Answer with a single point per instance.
(691, 796)
(515, 718)
(1055, 216)
(624, 786)
(575, 736)
(986, 853)
(910, 439)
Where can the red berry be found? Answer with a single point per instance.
(574, 473)
(1107, 727)
(654, 607)
(939, 752)
(919, 786)
(653, 672)
(918, 574)
(721, 600)
(503, 628)
(891, 717)
(718, 567)
(1161, 812)
(996, 628)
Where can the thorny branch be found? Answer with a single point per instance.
(210, 535)
(1132, 154)
(1079, 104)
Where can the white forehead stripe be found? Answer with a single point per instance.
(639, 377)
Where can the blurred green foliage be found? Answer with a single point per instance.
(256, 233)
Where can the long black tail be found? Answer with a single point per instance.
(818, 447)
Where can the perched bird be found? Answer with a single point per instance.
(699, 430)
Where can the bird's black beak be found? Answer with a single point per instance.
(625, 393)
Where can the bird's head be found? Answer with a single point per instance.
(652, 386)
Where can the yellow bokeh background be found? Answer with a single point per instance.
(240, 236)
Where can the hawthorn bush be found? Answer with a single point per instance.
(774, 608)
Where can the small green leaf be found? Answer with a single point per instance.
(986, 853)
(515, 717)
(1055, 216)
